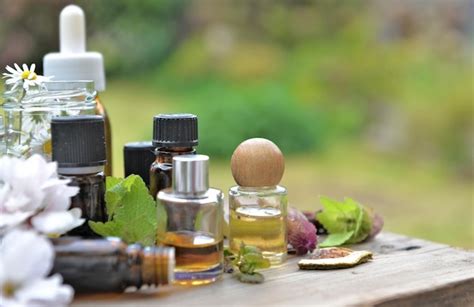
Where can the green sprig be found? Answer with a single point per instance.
(248, 260)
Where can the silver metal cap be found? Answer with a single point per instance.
(190, 174)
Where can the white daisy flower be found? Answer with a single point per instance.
(26, 259)
(25, 76)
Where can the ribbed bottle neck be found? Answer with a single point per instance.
(157, 265)
(166, 154)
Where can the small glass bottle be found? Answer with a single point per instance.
(79, 149)
(193, 214)
(109, 265)
(137, 158)
(258, 205)
(173, 135)
(74, 62)
(25, 116)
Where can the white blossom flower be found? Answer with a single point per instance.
(26, 259)
(27, 76)
(32, 194)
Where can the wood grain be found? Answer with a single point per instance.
(404, 272)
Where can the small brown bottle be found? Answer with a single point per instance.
(173, 135)
(79, 149)
(109, 265)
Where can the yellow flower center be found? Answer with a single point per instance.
(26, 74)
(8, 289)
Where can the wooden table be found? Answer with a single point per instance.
(404, 271)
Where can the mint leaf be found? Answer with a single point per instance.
(336, 239)
(114, 193)
(363, 224)
(347, 222)
(254, 278)
(336, 216)
(132, 211)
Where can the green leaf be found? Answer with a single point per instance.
(347, 222)
(336, 215)
(132, 215)
(336, 239)
(255, 278)
(114, 193)
(248, 249)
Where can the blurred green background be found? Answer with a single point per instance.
(367, 99)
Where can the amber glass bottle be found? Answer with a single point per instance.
(100, 110)
(173, 135)
(109, 265)
(79, 149)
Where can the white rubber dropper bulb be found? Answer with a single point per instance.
(72, 30)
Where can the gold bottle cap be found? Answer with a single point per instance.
(257, 162)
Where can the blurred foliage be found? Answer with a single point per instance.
(394, 75)
(376, 95)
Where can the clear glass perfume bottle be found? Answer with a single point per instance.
(258, 205)
(193, 214)
(109, 265)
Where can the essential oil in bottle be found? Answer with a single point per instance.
(137, 158)
(173, 135)
(73, 62)
(79, 149)
(258, 205)
(194, 221)
(109, 265)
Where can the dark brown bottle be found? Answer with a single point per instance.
(173, 135)
(79, 149)
(109, 265)
(137, 158)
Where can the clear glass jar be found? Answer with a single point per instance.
(257, 216)
(25, 116)
(194, 216)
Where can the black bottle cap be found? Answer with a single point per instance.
(175, 130)
(78, 141)
(138, 157)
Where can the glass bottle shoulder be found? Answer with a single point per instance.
(257, 191)
(211, 196)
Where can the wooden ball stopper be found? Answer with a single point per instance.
(257, 163)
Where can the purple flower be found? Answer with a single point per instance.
(301, 233)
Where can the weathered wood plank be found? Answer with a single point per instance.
(405, 271)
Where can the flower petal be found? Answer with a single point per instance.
(10, 69)
(57, 222)
(26, 256)
(9, 220)
(33, 67)
(18, 69)
(25, 67)
(45, 292)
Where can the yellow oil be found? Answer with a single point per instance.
(264, 228)
(199, 256)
